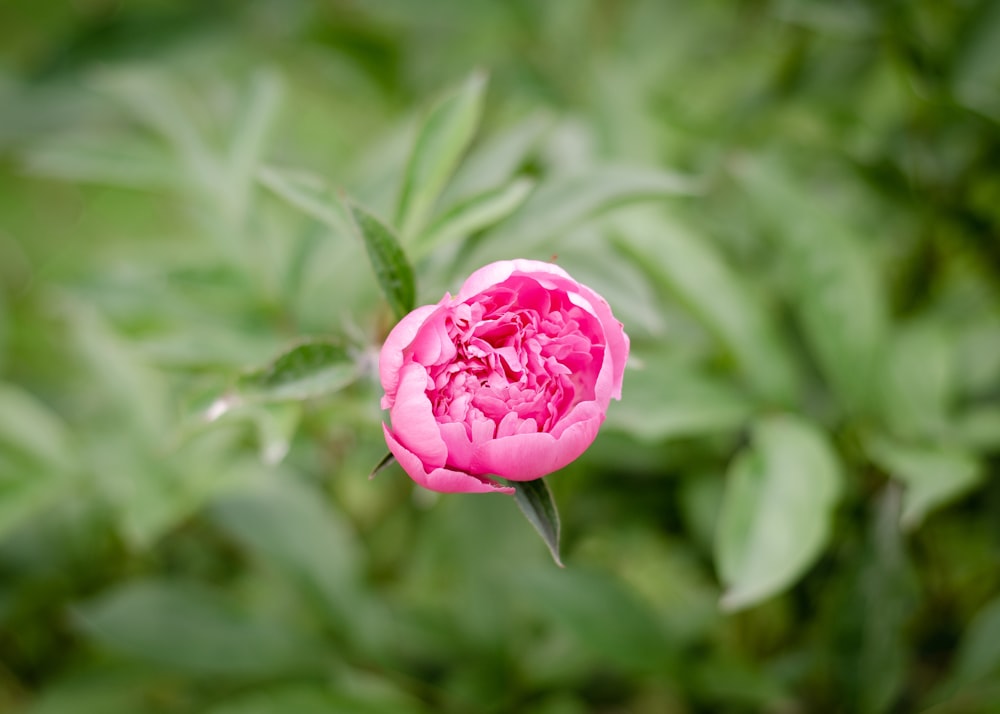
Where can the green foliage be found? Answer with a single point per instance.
(791, 207)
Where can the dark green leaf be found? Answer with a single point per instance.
(393, 271)
(384, 462)
(536, 503)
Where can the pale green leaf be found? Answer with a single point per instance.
(562, 202)
(253, 121)
(777, 508)
(473, 215)
(392, 269)
(696, 275)
(834, 285)
(676, 402)
(497, 158)
(442, 139)
(977, 429)
(307, 192)
(114, 161)
(917, 380)
(932, 475)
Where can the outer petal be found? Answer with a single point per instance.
(495, 273)
(413, 420)
(390, 359)
(617, 340)
(440, 479)
(524, 457)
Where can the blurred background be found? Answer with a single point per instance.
(793, 206)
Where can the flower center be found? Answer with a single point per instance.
(524, 356)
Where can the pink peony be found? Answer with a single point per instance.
(511, 377)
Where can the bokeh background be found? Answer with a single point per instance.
(793, 206)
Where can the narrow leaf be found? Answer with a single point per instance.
(307, 192)
(536, 503)
(442, 140)
(392, 270)
(474, 214)
(564, 201)
(385, 462)
(254, 119)
(776, 511)
(307, 370)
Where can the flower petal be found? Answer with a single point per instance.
(390, 359)
(495, 273)
(439, 479)
(413, 419)
(524, 457)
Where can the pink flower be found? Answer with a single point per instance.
(511, 377)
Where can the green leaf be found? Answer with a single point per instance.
(976, 78)
(834, 284)
(383, 463)
(473, 215)
(310, 369)
(563, 201)
(392, 270)
(36, 457)
(121, 161)
(601, 614)
(253, 121)
(536, 503)
(307, 192)
(776, 511)
(189, 628)
(977, 429)
(289, 525)
(932, 475)
(700, 279)
(443, 138)
(917, 380)
(361, 693)
(676, 401)
(978, 657)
